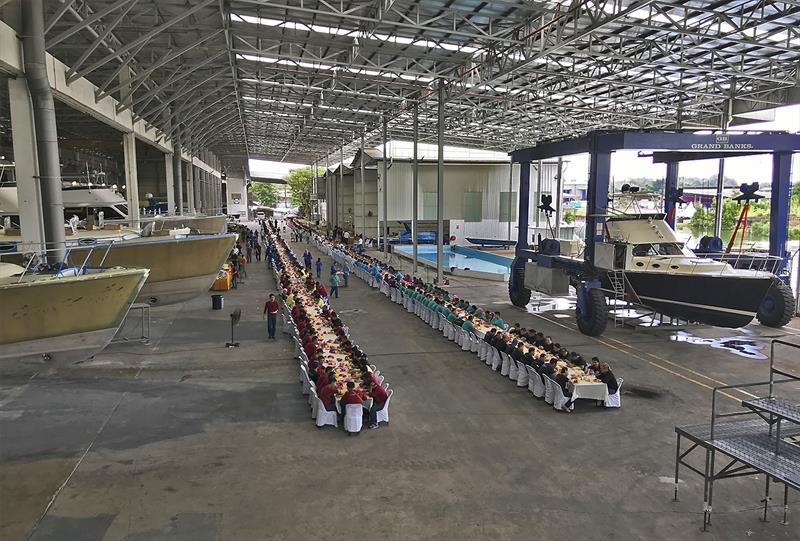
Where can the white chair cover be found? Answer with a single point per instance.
(466, 341)
(614, 400)
(560, 402)
(442, 322)
(482, 350)
(548, 389)
(313, 400)
(504, 368)
(513, 372)
(497, 359)
(304, 378)
(532, 377)
(474, 342)
(325, 417)
(353, 417)
(522, 375)
(383, 414)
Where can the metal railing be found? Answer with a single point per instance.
(35, 260)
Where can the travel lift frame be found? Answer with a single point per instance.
(669, 147)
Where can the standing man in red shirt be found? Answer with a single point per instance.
(271, 309)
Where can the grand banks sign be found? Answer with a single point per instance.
(722, 142)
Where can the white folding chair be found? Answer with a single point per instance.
(539, 388)
(353, 417)
(474, 343)
(497, 359)
(513, 372)
(522, 375)
(385, 386)
(304, 378)
(466, 340)
(325, 417)
(548, 389)
(506, 366)
(532, 376)
(383, 414)
(313, 401)
(380, 380)
(482, 352)
(560, 401)
(614, 400)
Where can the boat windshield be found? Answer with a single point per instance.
(663, 248)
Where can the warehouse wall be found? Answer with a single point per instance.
(489, 180)
(370, 202)
(344, 201)
(236, 192)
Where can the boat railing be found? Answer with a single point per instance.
(35, 258)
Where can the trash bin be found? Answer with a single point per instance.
(217, 301)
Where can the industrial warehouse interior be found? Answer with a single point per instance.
(399, 270)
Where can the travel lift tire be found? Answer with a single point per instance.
(519, 295)
(594, 322)
(777, 308)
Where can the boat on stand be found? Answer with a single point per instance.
(63, 315)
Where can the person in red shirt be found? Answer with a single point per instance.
(271, 309)
(352, 396)
(295, 312)
(321, 290)
(379, 398)
(328, 396)
(310, 348)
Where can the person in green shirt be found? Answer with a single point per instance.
(472, 309)
(467, 325)
(497, 320)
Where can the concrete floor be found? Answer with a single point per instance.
(184, 439)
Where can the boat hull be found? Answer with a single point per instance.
(67, 319)
(180, 268)
(203, 225)
(721, 301)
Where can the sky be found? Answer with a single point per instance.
(626, 164)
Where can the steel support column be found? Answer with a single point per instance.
(26, 166)
(670, 186)
(340, 197)
(440, 185)
(190, 183)
(177, 169)
(558, 196)
(131, 179)
(170, 183)
(524, 205)
(510, 191)
(363, 193)
(385, 123)
(597, 195)
(415, 192)
(44, 116)
(779, 203)
(719, 199)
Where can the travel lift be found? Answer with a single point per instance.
(546, 269)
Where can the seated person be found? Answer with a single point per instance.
(607, 377)
(489, 336)
(595, 366)
(549, 367)
(562, 378)
(497, 320)
(467, 326)
(313, 375)
(328, 395)
(518, 352)
(379, 398)
(351, 396)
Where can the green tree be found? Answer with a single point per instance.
(264, 194)
(300, 183)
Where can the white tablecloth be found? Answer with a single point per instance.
(592, 391)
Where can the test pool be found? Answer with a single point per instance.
(461, 258)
